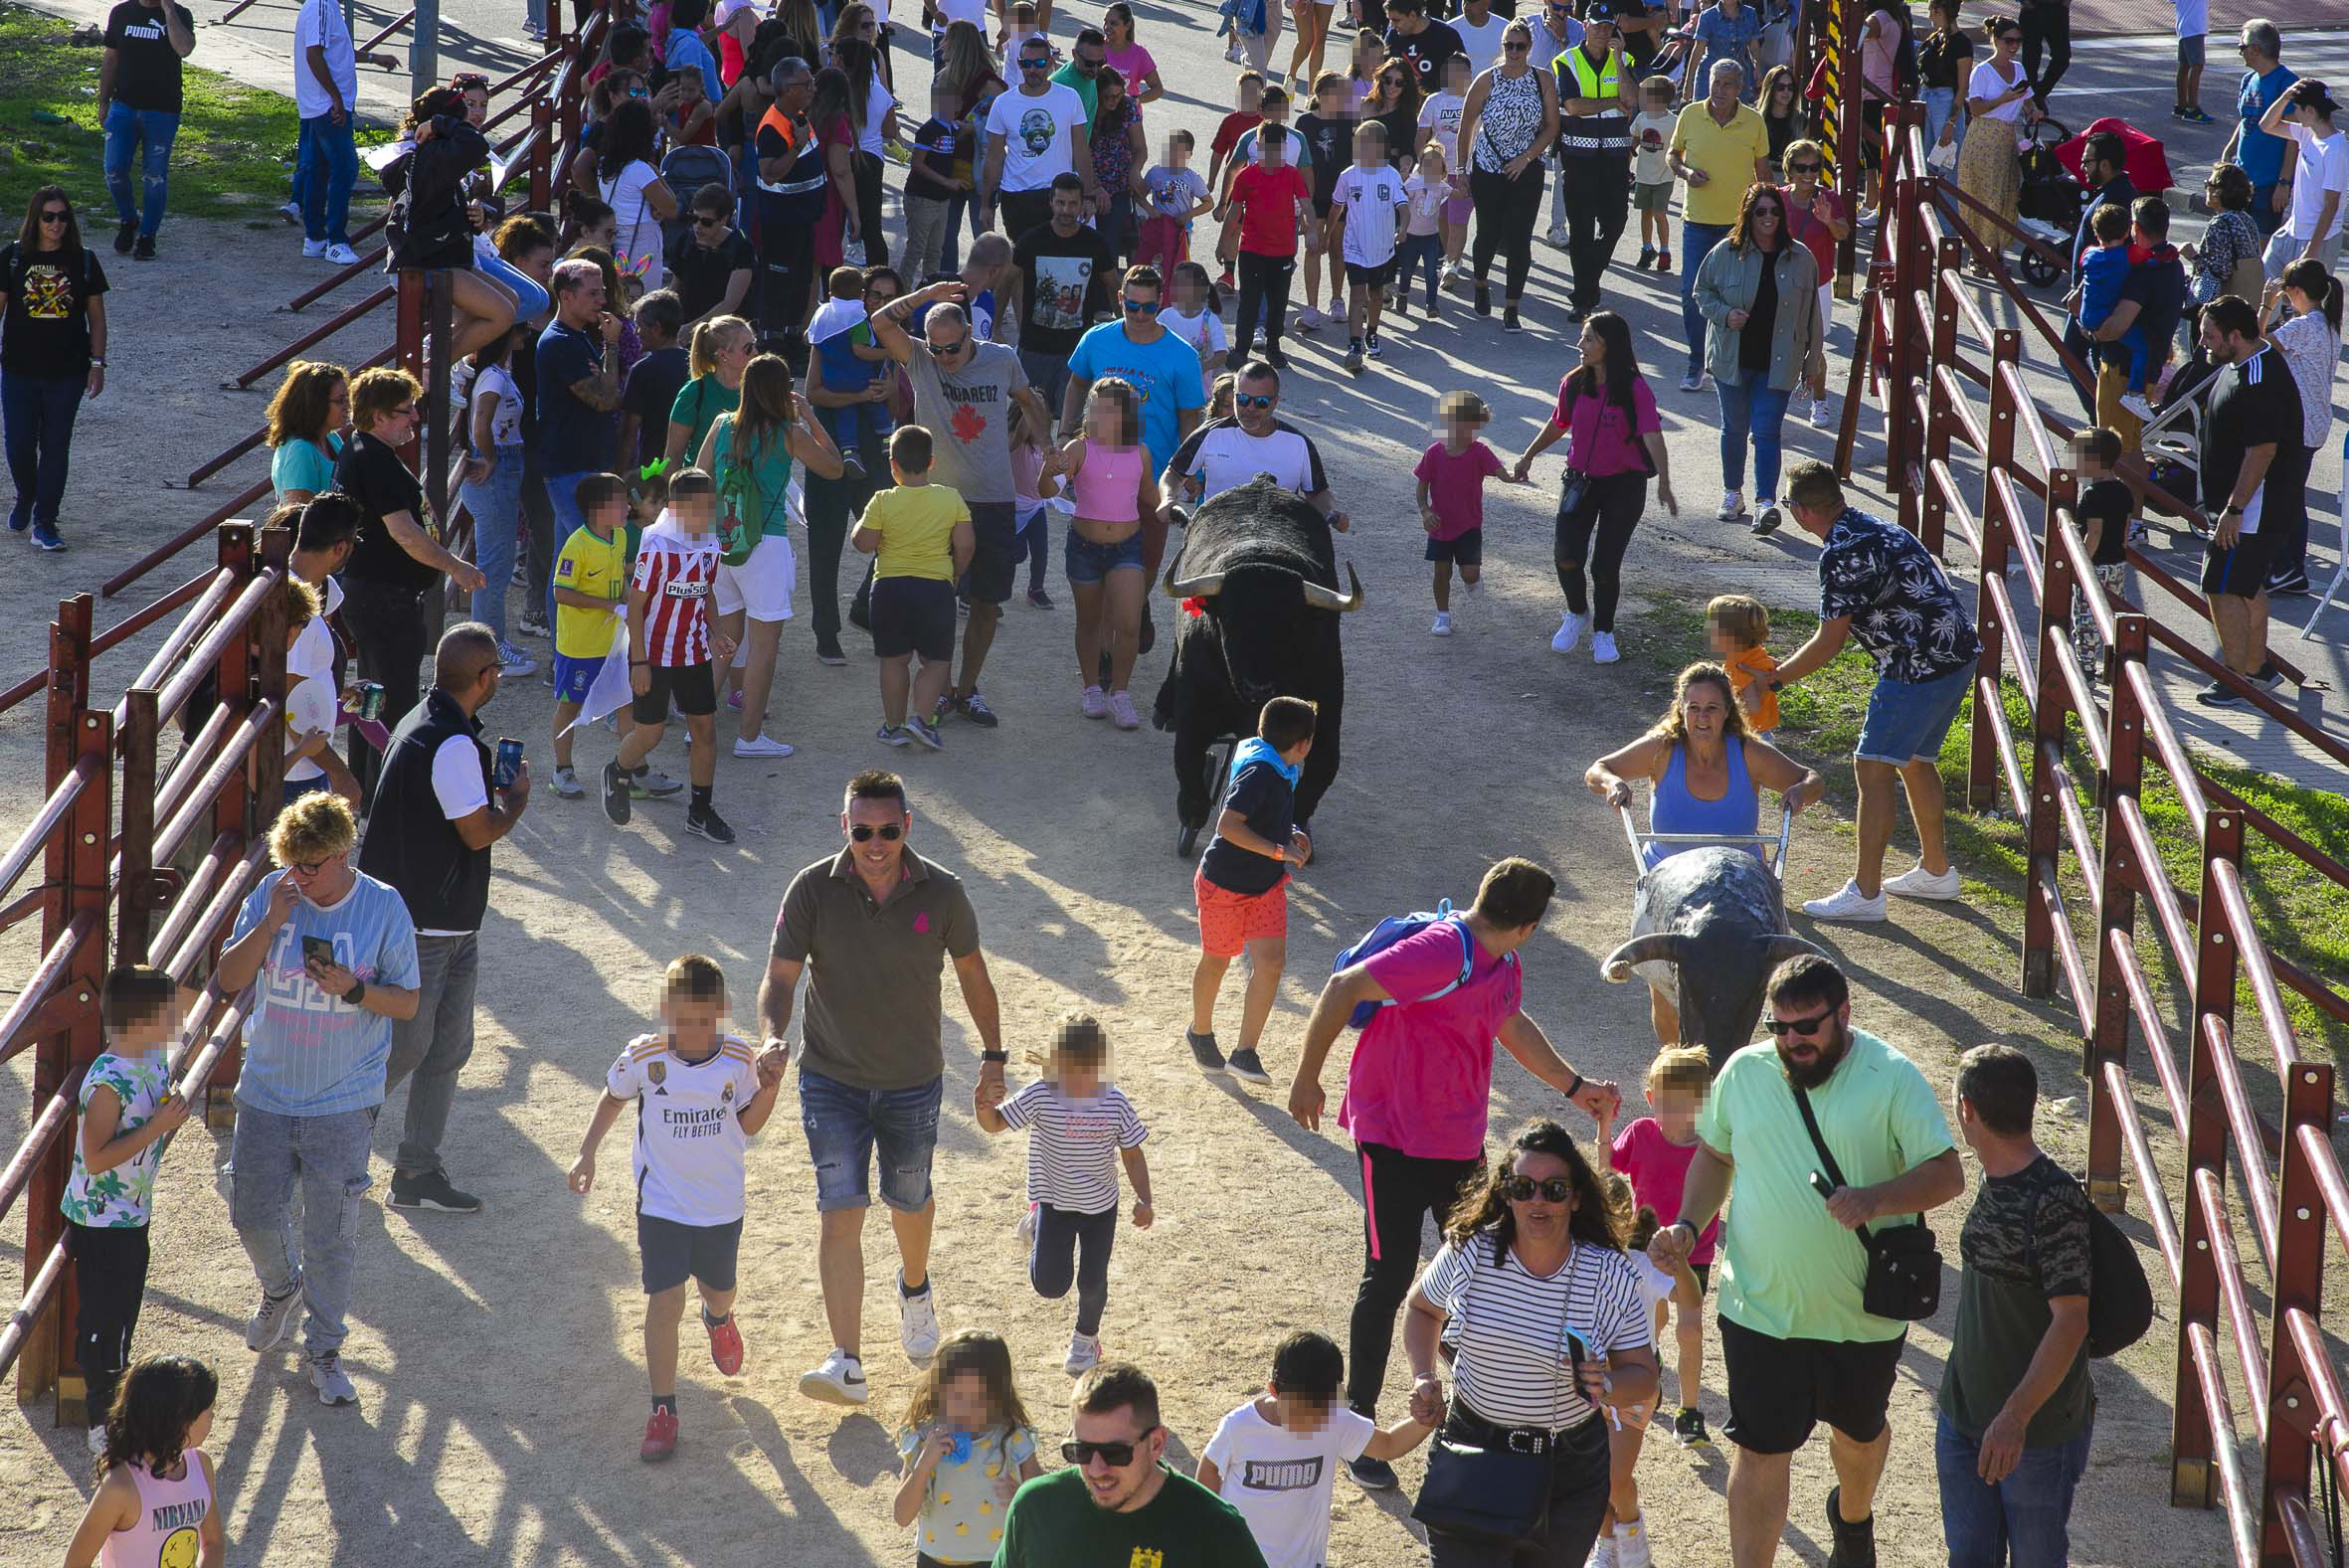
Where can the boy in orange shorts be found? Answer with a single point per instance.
(1243, 880)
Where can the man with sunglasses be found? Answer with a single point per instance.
(1255, 440)
(1082, 74)
(1118, 1503)
(332, 956)
(873, 927)
(1798, 1345)
(1035, 133)
(1158, 365)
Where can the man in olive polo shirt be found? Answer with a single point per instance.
(874, 926)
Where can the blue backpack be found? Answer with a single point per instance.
(1393, 928)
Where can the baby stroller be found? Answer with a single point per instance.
(685, 171)
(2051, 200)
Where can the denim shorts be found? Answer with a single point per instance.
(846, 1124)
(573, 676)
(1089, 563)
(1907, 723)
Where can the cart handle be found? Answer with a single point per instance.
(1638, 840)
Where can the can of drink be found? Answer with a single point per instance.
(370, 698)
(508, 765)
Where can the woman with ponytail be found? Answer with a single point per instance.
(717, 353)
(2309, 339)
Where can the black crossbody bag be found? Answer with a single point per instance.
(1904, 1278)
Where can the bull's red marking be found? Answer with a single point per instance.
(1194, 607)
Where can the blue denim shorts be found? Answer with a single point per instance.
(1907, 723)
(846, 1124)
(573, 676)
(1089, 563)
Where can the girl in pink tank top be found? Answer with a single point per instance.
(1112, 491)
(154, 1504)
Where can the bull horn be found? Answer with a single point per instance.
(1201, 586)
(1179, 517)
(1321, 598)
(1785, 945)
(1655, 945)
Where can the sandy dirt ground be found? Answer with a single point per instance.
(498, 1356)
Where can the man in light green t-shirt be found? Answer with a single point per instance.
(1797, 1344)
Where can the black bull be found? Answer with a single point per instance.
(1260, 561)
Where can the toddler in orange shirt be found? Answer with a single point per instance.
(1738, 625)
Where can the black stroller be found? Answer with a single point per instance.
(2050, 204)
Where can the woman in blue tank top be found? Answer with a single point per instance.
(1708, 769)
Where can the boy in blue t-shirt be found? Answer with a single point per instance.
(1242, 883)
(2103, 269)
(848, 360)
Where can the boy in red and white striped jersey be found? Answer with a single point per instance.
(671, 648)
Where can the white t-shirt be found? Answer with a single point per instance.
(689, 1138)
(2194, 17)
(1510, 1327)
(457, 777)
(1986, 82)
(505, 420)
(1223, 454)
(952, 11)
(321, 23)
(1482, 45)
(312, 652)
(1427, 204)
(1072, 1144)
(1203, 331)
(1280, 1480)
(2324, 166)
(1038, 134)
(1655, 1286)
(878, 101)
(635, 237)
(309, 705)
(1373, 198)
(1441, 114)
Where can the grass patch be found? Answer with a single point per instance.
(232, 159)
(2303, 916)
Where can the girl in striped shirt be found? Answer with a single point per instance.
(1079, 1127)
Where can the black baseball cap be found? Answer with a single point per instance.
(1598, 11)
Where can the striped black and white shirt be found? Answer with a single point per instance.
(1072, 1144)
(1509, 1328)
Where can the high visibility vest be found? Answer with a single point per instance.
(1588, 135)
(779, 122)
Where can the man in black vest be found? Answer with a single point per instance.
(429, 837)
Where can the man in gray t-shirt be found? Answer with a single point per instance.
(964, 392)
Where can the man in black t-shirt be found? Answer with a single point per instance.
(711, 263)
(1064, 270)
(1426, 43)
(2254, 406)
(138, 103)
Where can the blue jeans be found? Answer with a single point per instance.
(2022, 1522)
(846, 1124)
(496, 507)
(1940, 105)
(327, 1155)
(1695, 243)
(37, 413)
(1048, 374)
(152, 131)
(1750, 408)
(1423, 252)
(530, 298)
(324, 169)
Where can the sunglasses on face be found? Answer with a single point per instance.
(710, 220)
(1805, 168)
(1767, 212)
(889, 832)
(1516, 45)
(1782, 1027)
(1118, 1455)
(56, 215)
(1554, 1189)
(1142, 307)
(1252, 400)
(1034, 63)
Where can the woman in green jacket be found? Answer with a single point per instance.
(1760, 293)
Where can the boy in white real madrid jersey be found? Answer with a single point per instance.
(700, 1095)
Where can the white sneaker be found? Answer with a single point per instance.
(1443, 624)
(98, 1440)
(1311, 320)
(917, 1322)
(1602, 649)
(1732, 505)
(1027, 1228)
(2134, 402)
(290, 211)
(1084, 1354)
(1602, 1553)
(1768, 518)
(1822, 414)
(839, 1382)
(1570, 634)
(1917, 882)
(1555, 239)
(761, 745)
(567, 785)
(1631, 1545)
(342, 255)
(1846, 903)
(313, 250)
(1093, 703)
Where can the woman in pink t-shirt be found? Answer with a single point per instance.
(1129, 59)
(1419, 1090)
(1616, 440)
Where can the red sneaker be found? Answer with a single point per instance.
(660, 1435)
(725, 1345)
(1663, 261)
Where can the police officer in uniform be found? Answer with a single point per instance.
(1594, 84)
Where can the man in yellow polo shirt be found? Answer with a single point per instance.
(1718, 148)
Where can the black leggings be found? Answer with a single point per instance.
(2049, 25)
(1505, 212)
(1264, 279)
(868, 208)
(1399, 1191)
(1072, 1246)
(830, 503)
(110, 1280)
(1612, 508)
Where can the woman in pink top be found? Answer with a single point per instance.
(1110, 484)
(154, 1501)
(1617, 440)
(1419, 1090)
(1129, 59)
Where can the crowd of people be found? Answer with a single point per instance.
(704, 373)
